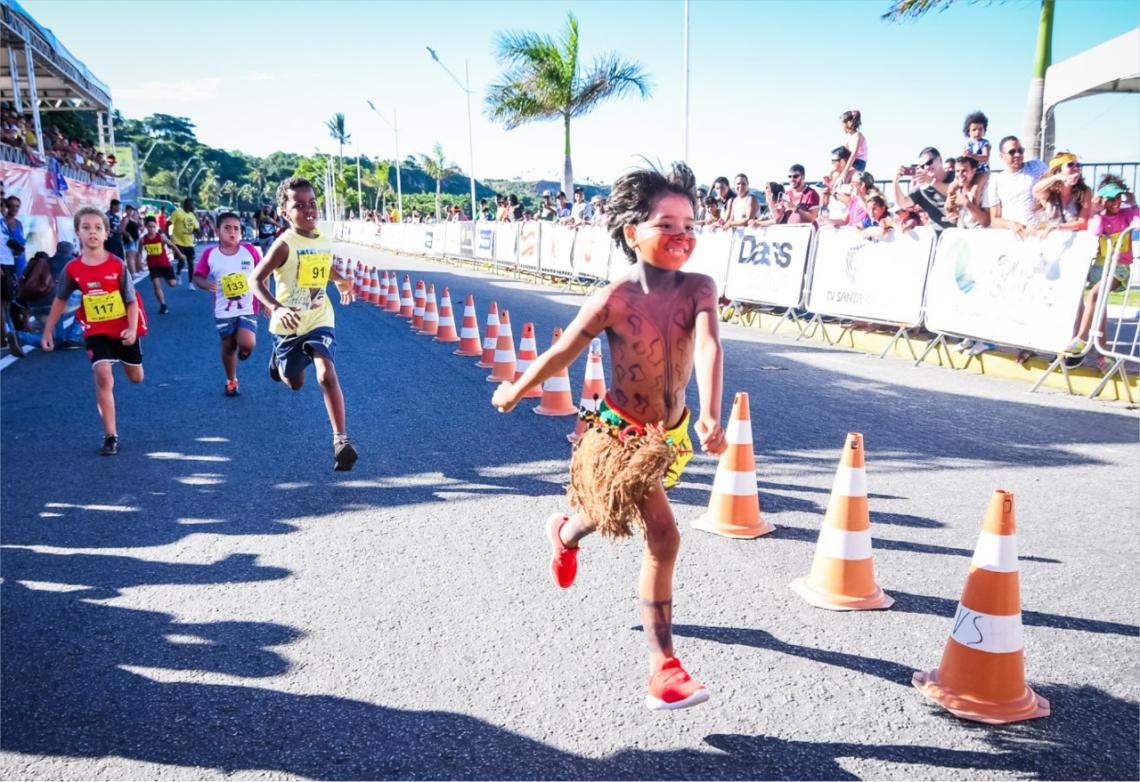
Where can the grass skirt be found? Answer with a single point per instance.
(612, 469)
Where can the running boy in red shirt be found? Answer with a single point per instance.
(110, 313)
(154, 246)
(658, 320)
(224, 270)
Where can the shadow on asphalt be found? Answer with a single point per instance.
(94, 707)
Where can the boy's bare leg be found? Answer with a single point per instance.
(134, 374)
(105, 395)
(1088, 312)
(246, 341)
(574, 530)
(158, 294)
(229, 356)
(655, 585)
(330, 389)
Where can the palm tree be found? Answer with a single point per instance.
(257, 180)
(245, 195)
(338, 134)
(437, 167)
(542, 80)
(1038, 140)
(228, 189)
(380, 181)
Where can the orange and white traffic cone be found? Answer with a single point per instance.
(982, 674)
(734, 506)
(419, 299)
(528, 352)
(557, 398)
(446, 330)
(356, 282)
(469, 333)
(376, 287)
(490, 338)
(593, 389)
(504, 363)
(842, 576)
(407, 304)
(392, 303)
(431, 317)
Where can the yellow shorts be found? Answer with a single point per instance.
(678, 437)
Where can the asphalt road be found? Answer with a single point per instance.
(216, 601)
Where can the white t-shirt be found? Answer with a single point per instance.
(227, 271)
(1014, 191)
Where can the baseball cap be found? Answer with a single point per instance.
(545, 193)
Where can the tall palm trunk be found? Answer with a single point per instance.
(437, 186)
(1038, 139)
(567, 166)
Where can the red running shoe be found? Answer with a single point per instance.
(672, 688)
(563, 561)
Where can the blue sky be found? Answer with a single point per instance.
(768, 78)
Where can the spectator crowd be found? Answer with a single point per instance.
(18, 131)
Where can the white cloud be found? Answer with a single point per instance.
(185, 91)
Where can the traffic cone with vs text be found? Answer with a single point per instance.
(734, 506)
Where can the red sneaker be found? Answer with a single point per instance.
(563, 561)
(672, 688)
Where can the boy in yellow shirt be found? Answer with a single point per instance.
(300, 315)
(183, 227)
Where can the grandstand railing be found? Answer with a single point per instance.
(10, 154)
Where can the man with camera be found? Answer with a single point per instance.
(928, 184)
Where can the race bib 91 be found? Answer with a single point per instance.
(99, 307)
(314, 270)
(234, 285)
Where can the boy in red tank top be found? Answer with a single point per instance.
(110, 313)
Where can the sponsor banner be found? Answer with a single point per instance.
(766, 265)
(992, 285)
(435, 239)
(871, 279)
(415, 235)
(391, 235)
(506, 236)
(529, 233)
(451, 238)
(592, 252)
(485, 241)
(710, 256)
(466, 239)
(128, 172)
(557, 247)
(46, 212)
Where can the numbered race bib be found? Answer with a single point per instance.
(234, 285)
(99, 307)
(314, 270)
(153, 249)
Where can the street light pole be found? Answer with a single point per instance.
(466, 87)
(194, 179)
(359, 192)
(394, 125)
(178, 178)
(685, 67)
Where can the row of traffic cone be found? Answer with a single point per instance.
(982, 674)
(496, 351)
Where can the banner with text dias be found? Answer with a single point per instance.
(592, 249)
(529, 243)
(45, 211)
(557, 246)
(871, 279)
(1024, 293)
(710, 255)
(767, 265)
(506, 243)
(485, 241)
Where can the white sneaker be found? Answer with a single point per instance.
(981, 347)
(964, 345)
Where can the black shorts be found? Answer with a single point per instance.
(189, 253)
(102, 348)
(8, 283)
(294, 354)
(162, 273)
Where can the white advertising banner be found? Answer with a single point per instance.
(871, 279)
(557, 248)
(992, 285)
(506, 235)
(767, 264)
(415, 237)
(391, 236)
(452, 244)
(592, 252)
(485, 241)
(711, 255)
(529, 243)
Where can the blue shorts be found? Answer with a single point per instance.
(229, 326)
(294, 354)
(859, 165)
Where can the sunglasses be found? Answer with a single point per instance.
(1073, 166)
(1015, 151)
(835, 160)
(926, 164)
(795, 176)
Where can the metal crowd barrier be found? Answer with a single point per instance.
(983, 285)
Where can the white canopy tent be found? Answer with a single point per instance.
(1113, 66)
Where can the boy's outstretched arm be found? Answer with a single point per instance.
(591, 320)
(277, 255)
(710, 370)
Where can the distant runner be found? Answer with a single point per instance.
(154, 247)
(183, 227)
